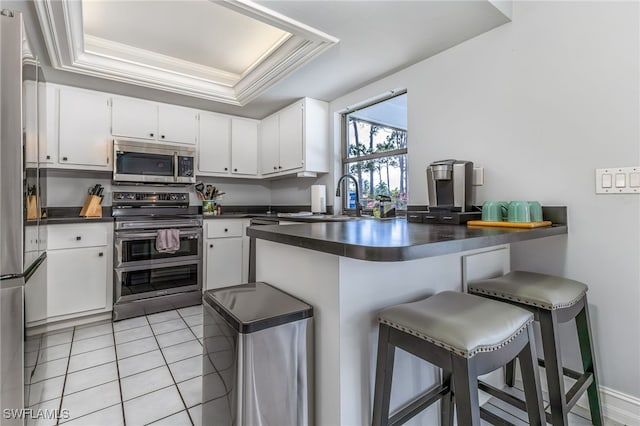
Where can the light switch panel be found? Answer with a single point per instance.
(478, 176)
(618, 180)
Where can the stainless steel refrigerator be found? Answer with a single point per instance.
(19, 207)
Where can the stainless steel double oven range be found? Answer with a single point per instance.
(146, 280)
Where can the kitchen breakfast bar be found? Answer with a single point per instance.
(350, 270)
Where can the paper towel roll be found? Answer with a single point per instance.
(318, 198)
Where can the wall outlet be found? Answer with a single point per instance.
(478, 176)
(618, 180)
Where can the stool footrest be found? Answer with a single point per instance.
(507, 397)
(573, 374)
(578, 389)
(494, 419)
(418, 404)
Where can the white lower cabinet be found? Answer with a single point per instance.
(76, 281)
(78, 277)
(225, 261)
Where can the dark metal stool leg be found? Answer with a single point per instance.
(531, 380)
(446, 402)
(384, 374)
(510, 373)
(553, 367)
(465, 384)
(583, 326)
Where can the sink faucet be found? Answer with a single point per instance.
(355, 182)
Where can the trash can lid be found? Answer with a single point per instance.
(256, 306)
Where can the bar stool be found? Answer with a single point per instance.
(464, 335)
(552, 300)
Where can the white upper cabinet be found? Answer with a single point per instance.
(291, 137)
(177, 124)
(134, 118)
(270, 144)
(227, 146)
(214, 144)
(244, 146)
(84, 125)
(296, 139)
(139, 119)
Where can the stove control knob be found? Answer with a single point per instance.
(183, 197)
(173, 197)
(131, 196)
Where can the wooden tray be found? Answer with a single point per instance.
(510, 224)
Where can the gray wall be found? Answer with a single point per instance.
(540, 103)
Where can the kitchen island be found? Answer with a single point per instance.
(351, 270)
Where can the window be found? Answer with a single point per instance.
(375, 152)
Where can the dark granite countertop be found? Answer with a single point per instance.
(395, 239)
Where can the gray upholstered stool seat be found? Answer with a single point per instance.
(552, 300)
(464, 335)
(459, 323)
(530, 288)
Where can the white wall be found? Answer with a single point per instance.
(540, 103)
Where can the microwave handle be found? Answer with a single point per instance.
(175, 166)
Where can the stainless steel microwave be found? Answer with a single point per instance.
(144, 162)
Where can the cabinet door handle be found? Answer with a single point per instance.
(78, 238)
(162, 136)
(226, 168)
(210, 245)
(100, 254)
(48, 157)
(64, 158)
(226, 230)
(279, 167)
(151, 134)
(275, 168)
(235, 170)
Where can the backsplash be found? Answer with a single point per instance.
(69, 188)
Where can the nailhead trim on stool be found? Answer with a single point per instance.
(466, 354)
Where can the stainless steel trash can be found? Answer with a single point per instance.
(258, 357)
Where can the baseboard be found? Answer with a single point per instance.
(617, 407)
(45, 327)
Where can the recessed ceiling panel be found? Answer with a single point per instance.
(201, 31)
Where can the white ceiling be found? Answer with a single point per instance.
(372, 39)
(201, 32)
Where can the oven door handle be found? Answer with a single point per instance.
(121, 269)
(175, 166)
(144, 235)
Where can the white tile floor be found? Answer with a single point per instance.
(145, 370)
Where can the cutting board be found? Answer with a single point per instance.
(510, 224)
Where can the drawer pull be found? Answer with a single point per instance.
(100, 254)
(151, 134)
(78, 238)
(161, 136)
(226, 168)
(64, 158)
(210, 245)
(226, 230)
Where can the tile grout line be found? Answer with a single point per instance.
(64, 382)
(166, 364)
(171, 373)
(115, 349)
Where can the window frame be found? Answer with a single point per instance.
(346, 160)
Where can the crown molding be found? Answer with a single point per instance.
(70, 50)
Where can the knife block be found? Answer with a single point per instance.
(33, 208)
(92, 207)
